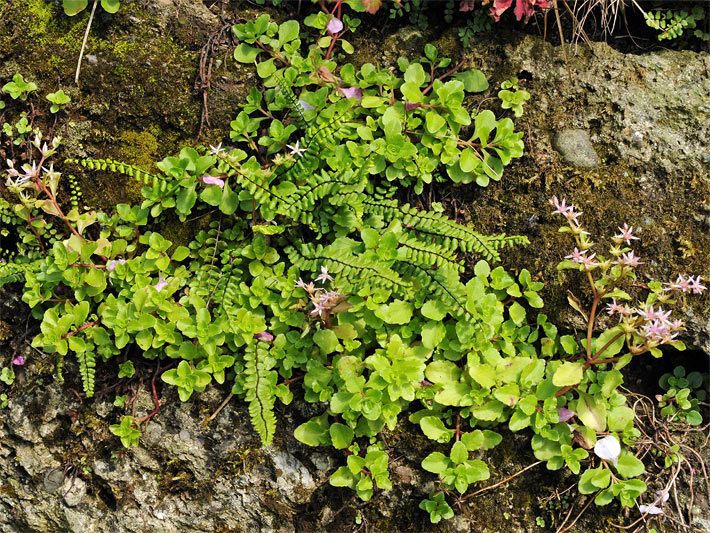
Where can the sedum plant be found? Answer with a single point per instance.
(309, 271)
(415, 126)
(683, 395)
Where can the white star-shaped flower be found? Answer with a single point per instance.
(296, 149)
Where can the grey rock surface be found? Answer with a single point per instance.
(576, 148)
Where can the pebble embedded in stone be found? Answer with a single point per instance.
(576, 148)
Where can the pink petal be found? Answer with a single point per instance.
(565, 414)
(161, 284)
(19, 360)
(351, 92)
(212, 180)
(334, 26)
(264, 336)
(499, 7)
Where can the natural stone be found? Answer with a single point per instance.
(576, 148)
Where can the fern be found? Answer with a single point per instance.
(294, 106)
(433, 227)
(354, 271)
(260, 385)
(87, 369)
(119, 167)
(75, 193)
(13, 272)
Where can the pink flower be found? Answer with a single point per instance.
(695, 285)
(213, 180)
(19, 360)
(161, 283)
(264, 336)
(111, 265)
(324, 276)
(629, 259)
(334, 26)
(351, 92)
(560, 207)
(626, 234)
(577, 256)
(308, 287)
(318, 309)
(571, 215)
(615, 309)
(676, 325)
(649, 314)
(680, 284)
(565, 414)
(523, 8)
(588, 261)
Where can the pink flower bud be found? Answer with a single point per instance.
(264, 336)
(334, 26)
(351, 92)
(213, 180)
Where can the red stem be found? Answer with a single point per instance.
(85, 325)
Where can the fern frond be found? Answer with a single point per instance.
(13, 272)
(427, 254)
(250, 177)
(433, 227)
(300, 205)
(75, 194)
(87, 370)
(444, 284)
(318, 139)
(294, 106)
(260, 384)
(354, 271)
(120, 168)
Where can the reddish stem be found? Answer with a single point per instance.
(85, 325)
(445, 75)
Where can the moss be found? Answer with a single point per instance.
(30, 20)
(236, 462)
(177, 478)
(5, 331)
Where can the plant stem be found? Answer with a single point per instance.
(84, 326)
(597, 360)
(445, 75)
(83, 44)
(502, 482)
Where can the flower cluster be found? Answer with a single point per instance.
(685, 285)
(324, 301)
(623, 256)
(17, 180)
(652, 325)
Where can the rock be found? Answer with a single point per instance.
(74, 490)
(293, 480)
(576, 148)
